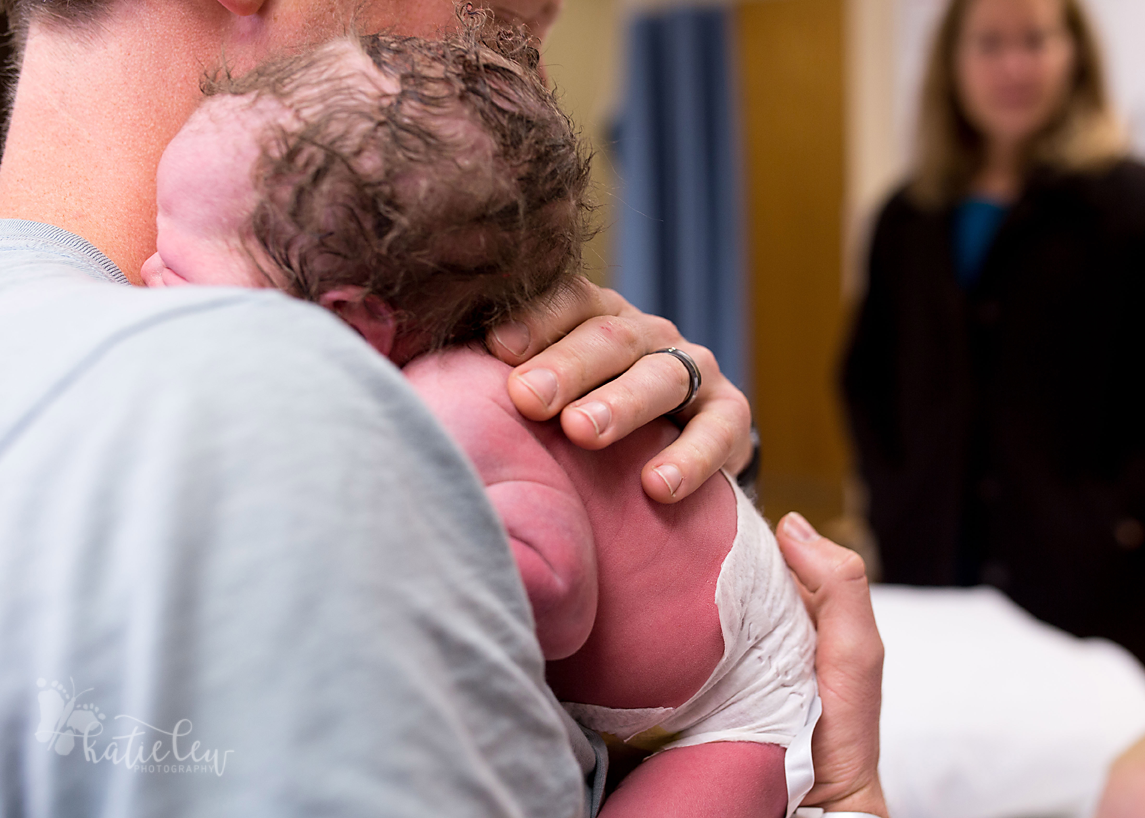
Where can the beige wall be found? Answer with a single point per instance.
(875, 160)
(583, 57)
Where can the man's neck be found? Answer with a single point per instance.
(90, 120)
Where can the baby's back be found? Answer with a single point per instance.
(656, 637)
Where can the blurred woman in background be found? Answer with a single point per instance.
(996, 377)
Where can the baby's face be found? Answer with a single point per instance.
(205, 197)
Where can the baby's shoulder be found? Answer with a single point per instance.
(466, 390)
(464, 375)
(462, 386)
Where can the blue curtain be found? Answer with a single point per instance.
(680, 204)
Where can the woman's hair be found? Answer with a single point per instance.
(1084, 134)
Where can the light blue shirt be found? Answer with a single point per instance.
(242, 571)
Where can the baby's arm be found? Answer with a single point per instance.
(731, 779)
(548, 527)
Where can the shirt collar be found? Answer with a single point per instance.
(50, 237)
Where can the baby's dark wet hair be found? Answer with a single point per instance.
(445, 180)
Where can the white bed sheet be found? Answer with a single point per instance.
(989, 713)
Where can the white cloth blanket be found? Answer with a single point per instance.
(989, 713)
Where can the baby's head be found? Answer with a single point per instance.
(421, 189)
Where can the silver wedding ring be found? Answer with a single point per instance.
(693, 376)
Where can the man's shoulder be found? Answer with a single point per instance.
(229, 490)
(257, 352)
(233, 330)
(262, 414)
(250, 343)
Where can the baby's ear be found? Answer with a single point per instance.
(368, 314)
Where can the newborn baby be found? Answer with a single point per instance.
(423, 191)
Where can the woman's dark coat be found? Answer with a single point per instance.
(1001, 430)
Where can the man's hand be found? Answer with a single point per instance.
(1124, 795)
(849, 664)
(595, 374)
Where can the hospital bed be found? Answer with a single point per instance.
(989, 713)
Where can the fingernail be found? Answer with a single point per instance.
(671, 475)
(598, 414)
(513, 336)
(797, 527)
(542, 383)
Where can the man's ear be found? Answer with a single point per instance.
(368, 314)
(243, 8)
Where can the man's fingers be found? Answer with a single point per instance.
(816, 560)
(600, 377)
(848, 662)
(838, 594)
(697, 454)
(516, 341)
(805, 595)
(594, 352)
(652, 386)
(1124, 795)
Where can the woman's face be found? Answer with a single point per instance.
(1014, 65)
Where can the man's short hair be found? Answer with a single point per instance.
(68, 11)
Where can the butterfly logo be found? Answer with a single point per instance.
(62, 719)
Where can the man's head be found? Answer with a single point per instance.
(411, 17)
(422, 189)
(125, 75)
